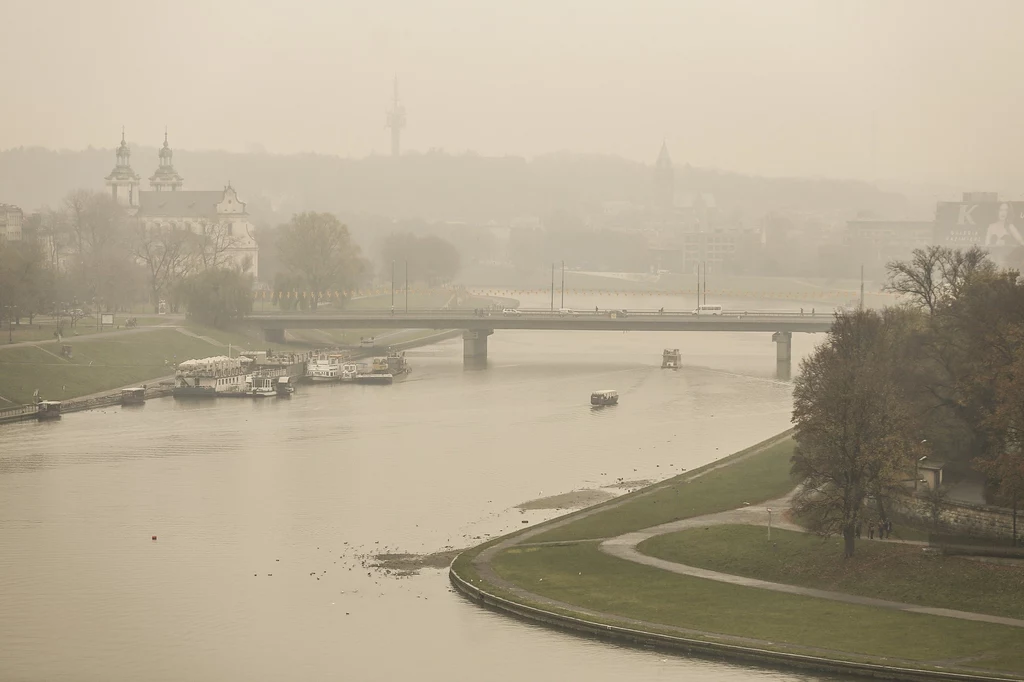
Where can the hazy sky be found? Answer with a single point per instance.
(922, 90)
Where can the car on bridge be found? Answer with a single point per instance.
(567, 311)
(511, 311)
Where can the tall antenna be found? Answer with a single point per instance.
(396, 121)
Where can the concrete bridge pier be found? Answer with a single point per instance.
(474, 348)
(273, 335)
(783, 354)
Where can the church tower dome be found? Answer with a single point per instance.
(123, 181)
(166, 179)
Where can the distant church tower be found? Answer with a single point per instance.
(396, 121)
(166, 179)
(664, 179)
(123, 181)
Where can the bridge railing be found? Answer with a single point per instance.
(545, 312)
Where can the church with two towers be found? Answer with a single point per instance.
(166, 205)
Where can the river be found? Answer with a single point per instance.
(261, 510)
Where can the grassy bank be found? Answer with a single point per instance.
(762, 476)
(884, 570)
(581, 575)
(571, 576)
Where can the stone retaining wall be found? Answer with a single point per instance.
(961, 517)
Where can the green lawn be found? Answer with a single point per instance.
(581, 575)
(885, 570)
(97, 365)
(763, 476)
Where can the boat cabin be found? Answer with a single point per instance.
(671, 358)
(49, 409)
(604, 397)
(133, 396)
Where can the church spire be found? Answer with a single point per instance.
(123, 181)
(166, 179)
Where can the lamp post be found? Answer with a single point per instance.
(552, 287)
(392, 287)
(406, 286)
(563, 284)
(769, 524)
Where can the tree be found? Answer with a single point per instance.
(318, 249)
(211, 244)
(26, 284)
(218, 297)
(935, 275)
(164, 252)
(431, 259)
(854, 434)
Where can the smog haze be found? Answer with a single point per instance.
(915, 90)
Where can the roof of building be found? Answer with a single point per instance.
(191, 204)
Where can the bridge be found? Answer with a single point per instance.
(477, 325)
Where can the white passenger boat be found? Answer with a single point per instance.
(211, 377)
(671, 358)
(604, 397)
(325, 367)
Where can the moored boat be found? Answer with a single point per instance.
(211, 377)
(374, 378)
(325, 366)
(133, 396)
(261, 386)
(48, 409)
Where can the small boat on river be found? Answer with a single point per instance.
(374, 378)
(671, 358)
(48, 409)
(133, 396)
(604, 397)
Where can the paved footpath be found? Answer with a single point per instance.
(625, 547)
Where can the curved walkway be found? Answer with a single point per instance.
(625, 547)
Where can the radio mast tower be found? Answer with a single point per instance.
(396, 121)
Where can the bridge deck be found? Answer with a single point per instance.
(729, 321)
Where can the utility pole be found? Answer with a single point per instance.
(563, 284)
(552, 287)
(407, 286)
(705, 282)
(698, 285)
(392, 287)
(862, 286)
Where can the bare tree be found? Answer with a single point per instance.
(936, 274)
(214, 241)
(165, 252)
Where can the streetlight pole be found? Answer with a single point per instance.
(705, 282)
(406, 286)
(769, 524)
(392, 287)
(552, 287)
(563, 284)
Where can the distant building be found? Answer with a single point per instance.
(876, 242)
(981, 219)
(11, 219)
(166, 205)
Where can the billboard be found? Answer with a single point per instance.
(994, 225)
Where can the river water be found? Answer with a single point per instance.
(261, 510)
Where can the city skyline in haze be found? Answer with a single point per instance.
(908, 91)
